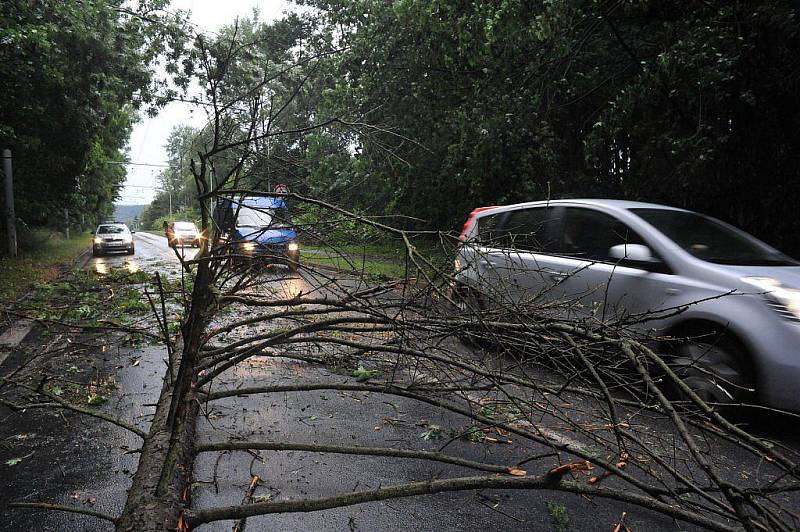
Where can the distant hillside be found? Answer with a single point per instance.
(126, 213)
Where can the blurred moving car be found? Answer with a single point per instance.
(731, 301)
(185, 233)
(259, 230)
(112, 236)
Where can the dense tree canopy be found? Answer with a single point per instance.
(689, 104)
(73, 76)
(442, 105)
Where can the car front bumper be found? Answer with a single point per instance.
(112, 246)
(270, 253)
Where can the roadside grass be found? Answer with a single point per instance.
(40, 263)
(369, 266)
(379, 259)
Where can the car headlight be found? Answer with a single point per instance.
(784, 300)
(248, 246)
(293, 246)
(98, 240)
(127, 239)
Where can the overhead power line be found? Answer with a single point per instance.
(127, 163)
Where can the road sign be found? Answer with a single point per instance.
(283, 188)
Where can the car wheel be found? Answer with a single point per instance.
(131, 251)
(714, 367)
(96, 252)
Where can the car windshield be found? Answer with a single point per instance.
(251, 217)
(185, 226)
(711, 240)
(112, 229)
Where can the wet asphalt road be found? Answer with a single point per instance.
(81, 460)
(152, 254)
(71, 459)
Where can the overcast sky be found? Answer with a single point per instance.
(150, 135)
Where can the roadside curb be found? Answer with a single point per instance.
(82, 259)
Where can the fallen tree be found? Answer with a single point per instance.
(586, 399)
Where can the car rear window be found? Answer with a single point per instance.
(529, 229)
(487, 229)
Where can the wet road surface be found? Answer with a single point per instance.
(152, 254)
(71, 459)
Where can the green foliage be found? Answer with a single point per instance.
(157, 224)
(362, 374)
(74, 75)
(480, 103)
(560, 516)
(474, 434)
(42, 255)
(178, 191)
(432, 432)
(95, 399)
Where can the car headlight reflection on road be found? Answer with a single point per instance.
(294, 246)
(788, 299)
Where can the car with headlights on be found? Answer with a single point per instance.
(729, 303)
(112, 236)
(185, 233)
(259, 230)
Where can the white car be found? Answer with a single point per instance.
(660, 270)
(114, 236)
(186, 233)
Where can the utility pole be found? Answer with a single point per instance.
(11, 219)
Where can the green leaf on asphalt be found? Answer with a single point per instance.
(96, 399)
(434, 432)
(56, 390)
(362, 374)
(14, 461)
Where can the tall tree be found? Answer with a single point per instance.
(74, 75)
(695, 105)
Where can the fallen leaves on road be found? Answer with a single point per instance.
(14, 461)
(362, 374)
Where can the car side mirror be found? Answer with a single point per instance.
(92, 232)
(633, 254)
(133, 232)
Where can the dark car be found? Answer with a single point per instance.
(112, 237)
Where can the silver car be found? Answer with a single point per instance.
(112, 236)
(186, 233)
(665, 271)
